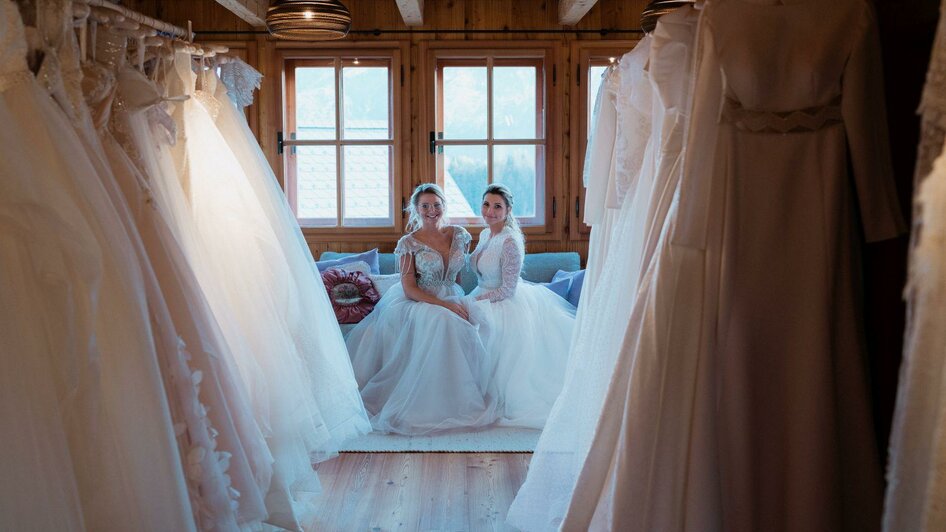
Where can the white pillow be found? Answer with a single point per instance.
(360, 266)
(383, 283)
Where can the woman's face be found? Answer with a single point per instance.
(494, 210)
(430, 209)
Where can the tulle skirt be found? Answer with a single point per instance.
(527, 342)
(420, 366)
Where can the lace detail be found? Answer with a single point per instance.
(206, 98)
(241, 80)
(810, 119)
(633, 121)
(431, 273)
(497, 265)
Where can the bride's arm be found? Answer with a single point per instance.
(510, 262)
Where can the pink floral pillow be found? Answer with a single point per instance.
(352, 294)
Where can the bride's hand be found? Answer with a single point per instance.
(457, 309)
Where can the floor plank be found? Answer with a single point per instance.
(382, 492)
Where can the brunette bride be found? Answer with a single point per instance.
(417, 357)
(531, 326)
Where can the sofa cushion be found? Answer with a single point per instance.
(536, 267)
(330, 260)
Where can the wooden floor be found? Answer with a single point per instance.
(378, 492)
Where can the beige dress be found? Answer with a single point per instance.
(789, 129)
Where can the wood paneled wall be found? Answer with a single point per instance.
(451, 15)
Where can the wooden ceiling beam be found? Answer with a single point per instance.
(412, 11)
(252, 11)
(571, 11)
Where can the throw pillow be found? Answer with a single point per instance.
(384, 282)
(371, 257)
(352, 294)
(575, 280)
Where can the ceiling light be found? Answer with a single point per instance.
(308, 20)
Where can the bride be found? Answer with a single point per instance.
(531, 326)
(417, 357)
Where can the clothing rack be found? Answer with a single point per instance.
(159, 25)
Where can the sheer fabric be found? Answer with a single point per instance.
(127, 474)
(421, 367)
(309, 313)
(604, 311)
(239, 264)
(528, 335)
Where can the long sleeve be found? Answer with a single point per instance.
(510, 262)
(599, 157)
(865, 122)
(697, 181)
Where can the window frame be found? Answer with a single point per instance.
(582, 108)
(289, 55)
(547, 54)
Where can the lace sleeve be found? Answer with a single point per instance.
(510, 261)
(404, 250)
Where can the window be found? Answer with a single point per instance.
(341, 138)
(490, 125)
(593, 60)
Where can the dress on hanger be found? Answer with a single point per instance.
(604, 309)
(310, 315)
(94, 321)
(528, 336)
(420, 366)
(238, 261)
(916, 474)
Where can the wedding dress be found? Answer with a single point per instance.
(420, 366)
(605, 309)
(310, 315)
(94, 323)
(239, 265)
(916, 475)
(528, 336)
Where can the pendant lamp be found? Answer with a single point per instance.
(308, 20)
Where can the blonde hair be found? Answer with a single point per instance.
(414, 220)
(503, 191)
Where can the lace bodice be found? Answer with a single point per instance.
(241, 80)
(497, 262)
(633, 104)
(13, 67)
(430, 272)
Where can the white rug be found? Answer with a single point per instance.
(491, 440)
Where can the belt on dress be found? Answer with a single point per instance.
(799, 120)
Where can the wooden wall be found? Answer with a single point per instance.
(369, 15)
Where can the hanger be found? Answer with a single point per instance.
(658, 8)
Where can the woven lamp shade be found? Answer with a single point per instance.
(308, 20)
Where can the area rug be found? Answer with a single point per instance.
(491, 440)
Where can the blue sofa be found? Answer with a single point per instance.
(536, 267)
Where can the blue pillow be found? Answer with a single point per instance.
(575, 281)
(371, 257)
(560, 287)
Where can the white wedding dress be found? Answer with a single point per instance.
(608, 296)
(241, 267)
(529, 332)
(88, 316)
(309, 312)
(420, 366)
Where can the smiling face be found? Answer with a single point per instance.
(430, 208)
(494, 211)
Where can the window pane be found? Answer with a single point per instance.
(514, 166)
(316, 188)
(365, 92)
(367, 183)
(594, 83)
(315, 103)
(464, 103)
(514, 102)
(465, 178)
